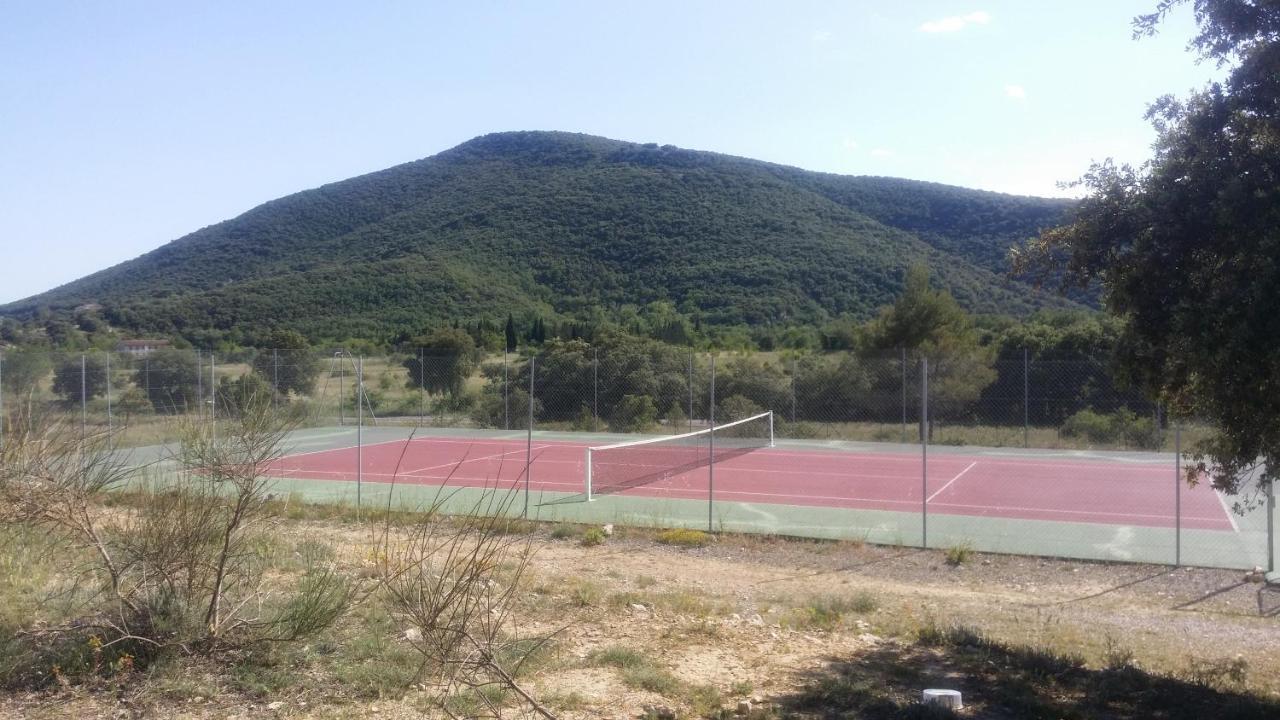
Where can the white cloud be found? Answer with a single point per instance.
(1017, 92)
(881, 153)
(956, 23)
(850, 144)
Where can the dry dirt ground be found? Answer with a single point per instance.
(640, 623)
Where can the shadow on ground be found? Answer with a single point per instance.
(1001, 681)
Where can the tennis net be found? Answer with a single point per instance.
(618, 467)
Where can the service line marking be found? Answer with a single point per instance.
(957, 477)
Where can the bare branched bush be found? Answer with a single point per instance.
(453, 582)
(178, 567)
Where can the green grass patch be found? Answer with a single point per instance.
(685, 537)
(959, 554)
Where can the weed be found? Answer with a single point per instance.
(592, 537)
(960, 553)
(826, 612)
(583, 593)
(684, 537)
(564, 531)
(1218, 673)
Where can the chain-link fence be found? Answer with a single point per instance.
(1030, 456)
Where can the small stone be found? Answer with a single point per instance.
(412, 634)
(744, 707)
(755, 619)
(637, 607)
(659, 712)
(273, 706)
(607, 530)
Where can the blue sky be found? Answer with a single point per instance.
(125, 125)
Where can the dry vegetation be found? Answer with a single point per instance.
(807, 629)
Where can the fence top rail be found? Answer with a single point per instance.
(681, 436)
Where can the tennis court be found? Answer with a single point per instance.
(1119, 492)
(1123, 506)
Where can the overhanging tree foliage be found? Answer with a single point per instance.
(1187, 247)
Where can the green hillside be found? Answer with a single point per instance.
(563, 225)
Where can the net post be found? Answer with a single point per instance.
(771, 429)
(588, 474)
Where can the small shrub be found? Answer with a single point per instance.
(584, 594)
(564, 531)
(684, 537)
(592, 537)
(618, 656)
(1115, 656)
(959, 554)
(633, 413)
(826, 612)
(1218, 673)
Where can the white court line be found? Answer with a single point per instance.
(957, 477)
(341, 449)
(1231, 517)
(1073, 512)
(463, 461)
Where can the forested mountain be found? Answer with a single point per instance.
(560, 225)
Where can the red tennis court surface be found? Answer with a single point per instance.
(1035, 488)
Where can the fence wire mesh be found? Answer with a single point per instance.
(1026, 455)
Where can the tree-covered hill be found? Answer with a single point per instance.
(564, 225)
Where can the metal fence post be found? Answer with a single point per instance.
(506, 394)
(342, 420)
(904, 395)
(275, 377)
(4, 419)
(924, 452)
(359, 431)
(1177, 495)
(691, 391)
(84, 402)
(1273, 573)
(711, 453)
(1026, 399)
(528, 448)
(595, 389)
(199, 399)
(110, 424)
(794, 369)
(422, 386)
(213, 397)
